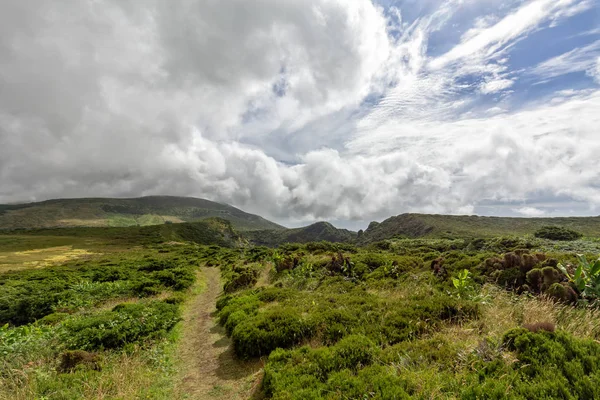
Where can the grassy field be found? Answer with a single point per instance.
(192, 311)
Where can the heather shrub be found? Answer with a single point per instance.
(71, 359)
(241, 277)
(249, 303)
(557, 233)
(347, 370)
(125, 323)
(549, 365)
(268, 330)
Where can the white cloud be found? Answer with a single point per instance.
(206, 98)
(484, 40)
(595, 71)
(576, 60)
(494, 86)
(530, 211)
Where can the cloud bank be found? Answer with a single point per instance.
(329, 109)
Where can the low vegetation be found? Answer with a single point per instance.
(480, 317)
(415, 319)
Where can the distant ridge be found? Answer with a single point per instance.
(141, 211)
(465, 226)
(313, 233)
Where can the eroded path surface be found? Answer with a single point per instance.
(209, 370)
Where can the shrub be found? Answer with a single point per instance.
(71, 359)
(126, 323)
(241, 277)
(248, 303)
(263, 333)
(146, 288)
(333, 324)
(176, 298)
(557, 233)
(347, 370)
(354, 352)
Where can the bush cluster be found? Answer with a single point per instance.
(28, 295)
(336, 310)
(348, 370)
(550, 365)
(124, 324)
(533, 273)
(557, 233)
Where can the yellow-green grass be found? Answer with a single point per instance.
(23, 252)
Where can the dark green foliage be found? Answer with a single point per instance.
(268, 330)
(72, 359)
(410, 319)
(334, 324)
(241, 277)
(126, 323)
(343, 371)
(28, 295)
(354, 352)
(547, 358)
(557, 233)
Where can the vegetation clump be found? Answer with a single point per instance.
(557, 233)
(124, 324)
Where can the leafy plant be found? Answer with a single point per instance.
(463, 283)
(585, 278)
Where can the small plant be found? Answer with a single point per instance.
(585, 278)
(463, 284)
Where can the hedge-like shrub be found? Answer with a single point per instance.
(557, 233)
(263, 333)
(126, 323)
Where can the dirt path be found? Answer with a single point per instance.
(209, 368)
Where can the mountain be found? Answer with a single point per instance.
(313, 233)
(463, 226)
(142, 211)
(210, 231)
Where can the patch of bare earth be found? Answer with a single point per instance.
(209, 369)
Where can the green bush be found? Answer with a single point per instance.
(550, 365)
(343, 371)
(241, 277)
(354, 352)
(278, 327)
(126, 323)
(249, 303)
(557, 233)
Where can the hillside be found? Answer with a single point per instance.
(313, 233)
(143, 211)
(463, 226)
(211, 231)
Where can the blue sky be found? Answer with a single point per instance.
(339, 110)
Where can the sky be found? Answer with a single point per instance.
(302, 110)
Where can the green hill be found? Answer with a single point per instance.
(211, 231)
(462, 226)
(143, 211)
(312, 233)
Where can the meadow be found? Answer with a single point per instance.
(161, 313)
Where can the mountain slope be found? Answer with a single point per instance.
(459, 226)
(152, 210)
(211, 231)
(313, 233)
